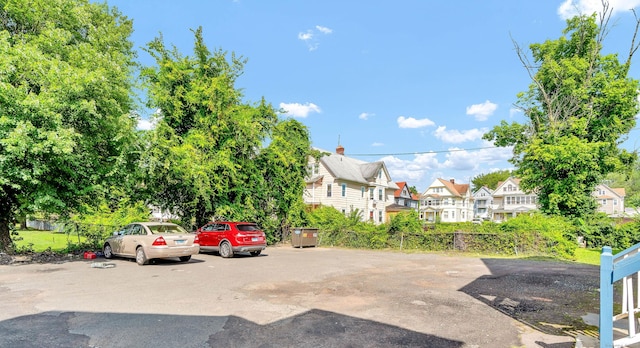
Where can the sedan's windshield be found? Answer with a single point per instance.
(164, 228)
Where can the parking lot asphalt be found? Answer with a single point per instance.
(290, 297)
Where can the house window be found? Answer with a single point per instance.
(379, 194)
(604, 202)
(328, 190)
(453, 214)
(344, 190)
(316, 168)
(371, 193)
(361, 191)
(380, 174)
(371, 215)
(344, 212)
(380, 216)
(445, 215)
(615, 202)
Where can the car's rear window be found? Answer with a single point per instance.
(166, 229)
(248, 227)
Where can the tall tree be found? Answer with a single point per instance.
(65, 95)
(580, 107)
(490, 180)
(201, 161)
(284, 164)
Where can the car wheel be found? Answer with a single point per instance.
(141, 257)
(255, 253)
(185, 258)
(108, 253)
(225, 250)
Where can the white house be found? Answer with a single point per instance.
(482, 203)
(610, 200)
(509, 200)
(446, 201)
(349, 185)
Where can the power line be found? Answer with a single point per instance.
(420, 152)
(426, 152)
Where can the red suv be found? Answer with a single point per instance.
(228, 238)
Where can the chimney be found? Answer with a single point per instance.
(340, 150)
(453, 181)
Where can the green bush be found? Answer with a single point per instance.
(526, 234)
(558, 234)
(601, 230)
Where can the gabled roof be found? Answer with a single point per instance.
(483, 188)
(455, 189)
(354, 170)
(619, 191)
(512, 179)
(401, 186)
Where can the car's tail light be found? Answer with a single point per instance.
(196, 240)
(159, 241)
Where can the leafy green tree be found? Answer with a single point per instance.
(206, 158)
(65, 95)
(200, 160)
(284, 164)
(580, 107)
(490, 180)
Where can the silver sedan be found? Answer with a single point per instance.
(145, 241)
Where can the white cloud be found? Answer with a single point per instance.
(410, 122)
(377, 144)
(481, 112)
(146, 124)
(422, 169)
(365, 116)
(459, 159)
(324, 30)
(411, 171)
(310, 38)
(299, 110)
(456, 136)
(305, 36)
(514, 112)
(571, 8)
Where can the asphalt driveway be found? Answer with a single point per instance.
(290, 297)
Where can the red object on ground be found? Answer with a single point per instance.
(89, 255)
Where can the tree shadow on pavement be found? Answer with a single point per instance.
(314, 328)
(549, 296)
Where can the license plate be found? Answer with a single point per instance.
(181, 241)
(254, 239)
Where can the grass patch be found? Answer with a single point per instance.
(591, 256)
(38, 241)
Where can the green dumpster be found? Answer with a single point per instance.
(304, 237)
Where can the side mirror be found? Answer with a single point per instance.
(116, 233)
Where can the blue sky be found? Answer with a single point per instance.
(411, 82)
